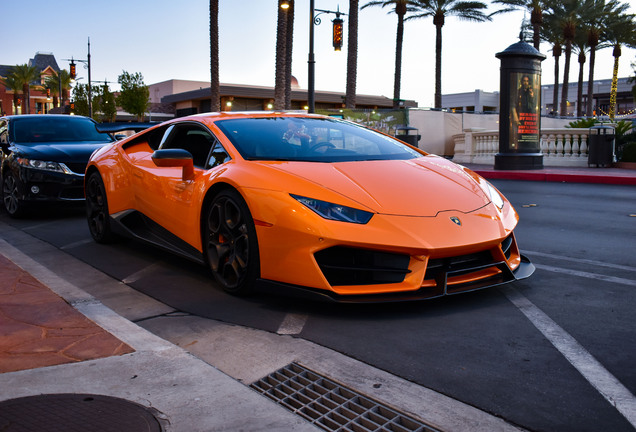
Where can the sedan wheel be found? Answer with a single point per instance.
(12, 204)
(97, 209)
(230, 242)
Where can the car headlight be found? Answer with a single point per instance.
(44, 165)
(495, 196)
(335, 212)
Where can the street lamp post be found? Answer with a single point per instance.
(87, 62)
(311, 62)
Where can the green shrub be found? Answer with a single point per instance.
(629, 152)
(582, 123)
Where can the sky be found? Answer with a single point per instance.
(166, 40)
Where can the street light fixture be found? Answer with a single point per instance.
(337, 44)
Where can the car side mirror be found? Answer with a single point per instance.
(175, 158)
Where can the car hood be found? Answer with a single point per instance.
(75, 152)
(416, 187)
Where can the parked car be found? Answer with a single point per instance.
(43, 158)
(312, 204)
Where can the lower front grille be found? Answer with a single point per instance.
(331, 406)
(351, 266)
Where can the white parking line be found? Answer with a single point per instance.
(611, 279)
(77, 243)
(292, 324)
(581, 260)
(594, 372)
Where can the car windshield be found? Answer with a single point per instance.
(310, 139)
(56, 129)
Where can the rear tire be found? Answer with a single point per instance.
(97, 210)
(230, 244)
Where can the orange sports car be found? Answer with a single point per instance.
(321, 206)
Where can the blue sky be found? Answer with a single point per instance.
(166, 39)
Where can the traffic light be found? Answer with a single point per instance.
(337, 34)
(48, 93)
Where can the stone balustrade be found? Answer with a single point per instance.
(560, 147)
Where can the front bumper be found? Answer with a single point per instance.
(40, 185)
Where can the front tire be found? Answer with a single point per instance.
(15, 207)
(97, 209)
(230, 244)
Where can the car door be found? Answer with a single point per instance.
(164, 196)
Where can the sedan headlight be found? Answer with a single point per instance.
(495, 196)
(44, 165)
(335, 212)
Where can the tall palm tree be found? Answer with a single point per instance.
(439, 10)
(566, 16)
(580, 47)
(400, 8)
(621, 30)
(281, 58)
(352, 55)
(536, 8)
(215, 90)
(26, 76)
(600, 13)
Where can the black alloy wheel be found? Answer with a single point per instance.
(229, 239)
(97, 209)
(12, 204)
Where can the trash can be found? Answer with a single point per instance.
(407, 134)
(601, 146)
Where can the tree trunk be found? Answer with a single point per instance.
(590, 84)
(579, 94)
(398, 61)
(281, 53)
(289, 41)
(215, 91)
(612, 107)
(352, 55)
(566, 79)
(438, 67)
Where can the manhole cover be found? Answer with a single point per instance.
(75, 412)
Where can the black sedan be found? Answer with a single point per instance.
(44, 157)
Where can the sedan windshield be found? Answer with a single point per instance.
(44, 129)
(310, 139)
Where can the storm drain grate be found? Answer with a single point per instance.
(330, 406)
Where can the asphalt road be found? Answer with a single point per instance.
(555, 352)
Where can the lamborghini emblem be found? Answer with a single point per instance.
(456, 221)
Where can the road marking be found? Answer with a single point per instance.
(141, 273)
(292, 324)
(588, 275)
(582, 261)
(593, 371)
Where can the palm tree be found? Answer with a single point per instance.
(566, 16)
(352, 55)
(439, 10)
(25, 76)
(400, 7)
(215, 91)
(580, 47)
(599, 14)
(536, 8)
(621, 30)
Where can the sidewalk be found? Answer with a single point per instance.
(58, 342)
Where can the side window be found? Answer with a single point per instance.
(218, 156)
(194, 139)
